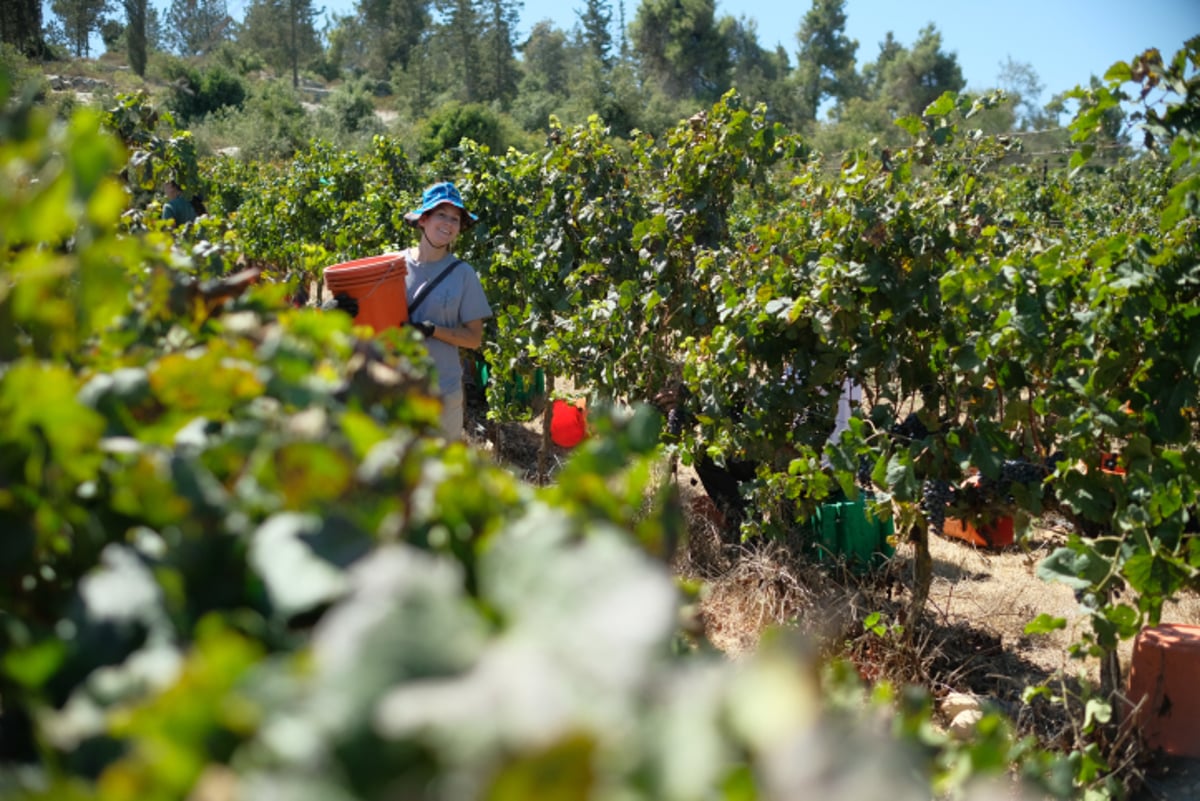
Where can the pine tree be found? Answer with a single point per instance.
(21, 26)
(459, 41)
(758, 74)
(196, 27)
(825, 61)
(915, 78)
(545, 60)
(873, 73)
(283, 32)
(498, 32)
(391, 30)
(596, 20)
(135, 35)
(80, 18)
(680, 48)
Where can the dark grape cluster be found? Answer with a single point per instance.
(674, 421)
(909, 429)
(865, 468)
(936, 495)
(1053, 460)
(1015, 471)
(982, 492)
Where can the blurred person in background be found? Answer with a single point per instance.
(178, 208)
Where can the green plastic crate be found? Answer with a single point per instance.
(523, 389)
(519, 388)
(845, 531)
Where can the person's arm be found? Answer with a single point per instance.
(469, 335)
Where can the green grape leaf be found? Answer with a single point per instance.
(1044, 624)
(1079, 567)
(303, 559)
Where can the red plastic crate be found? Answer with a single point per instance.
(568, 422)
(1163, 678)
(997, 534)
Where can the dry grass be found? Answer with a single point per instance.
(972, 638)
(985, 596)
(999, 592)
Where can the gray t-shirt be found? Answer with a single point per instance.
(457, 300)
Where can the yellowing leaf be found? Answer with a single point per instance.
(310, 472)
(206, 384)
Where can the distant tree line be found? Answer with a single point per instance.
(670, 59)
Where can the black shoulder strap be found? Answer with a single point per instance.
(424, 291)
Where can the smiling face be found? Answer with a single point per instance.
(441, 225)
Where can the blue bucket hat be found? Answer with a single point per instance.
(434, 196)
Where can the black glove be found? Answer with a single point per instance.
(425, 328)
(342, 302)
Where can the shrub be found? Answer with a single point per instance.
(239, 60)
(20, 70)
(454, 122)
(195, 93)
(271, 124)
(352, 109)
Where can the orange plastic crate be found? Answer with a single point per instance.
(1162, 678)
(997, 534)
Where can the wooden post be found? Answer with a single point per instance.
(922, 575)
(547, 412)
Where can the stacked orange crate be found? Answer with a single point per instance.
(996, 533)
(1163, 688)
